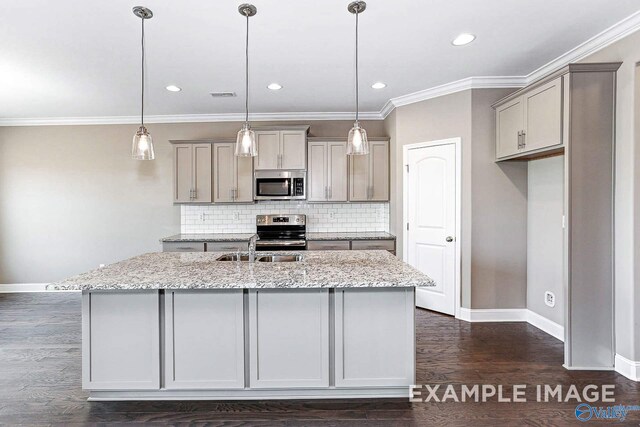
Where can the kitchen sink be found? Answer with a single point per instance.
(233, 257)
(280, 258)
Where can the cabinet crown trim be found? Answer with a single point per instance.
(587, 67)
(344, 139)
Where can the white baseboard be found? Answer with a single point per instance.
(493, 314)
(512, 315)
(628, 368)
(545, 325)
(26, 287)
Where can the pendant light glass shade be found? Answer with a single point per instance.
(142, 147)
(357, 142)
(246, 142)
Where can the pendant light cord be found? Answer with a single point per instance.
(142, 108)
(246, 76)
(357, 87)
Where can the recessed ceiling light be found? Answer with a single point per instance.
(379, 85)
(275, 86)
(462, 39)
(173, 88)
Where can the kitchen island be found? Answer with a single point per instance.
(334, 324)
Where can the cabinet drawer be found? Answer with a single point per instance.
(328, 245)
(183, 247)
(227, 246)
(364, 245)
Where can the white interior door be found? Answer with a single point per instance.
(431, 217)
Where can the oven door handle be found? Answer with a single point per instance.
(281, 242)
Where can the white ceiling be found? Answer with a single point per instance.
(80, 58)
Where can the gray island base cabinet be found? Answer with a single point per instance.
(236, 344)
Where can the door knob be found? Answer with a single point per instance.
(449, 239)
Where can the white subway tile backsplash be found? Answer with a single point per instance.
(346, 216)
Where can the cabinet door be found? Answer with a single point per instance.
(509, 124)
(289, 344)
(204, 339)
(379, 171)
(375, 339)
(224, 172)
(328, 245)
(120, 340)
(317, 173)
(202, 175)
(268, 144)
(337, 171)
(543, 116)
(293, 154)
(359, 178)
(182, 173)
(244, 179)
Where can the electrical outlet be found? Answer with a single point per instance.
(202, 217)
(236, 216)
(550, 299)
(332, 215)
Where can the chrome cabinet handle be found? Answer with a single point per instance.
(325, 192)
(235, 194)
(524, 139)
(330, 193)
(519, 139)
(449, 239)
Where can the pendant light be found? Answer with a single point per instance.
(142, 147)
(246, 141)
(357, 142)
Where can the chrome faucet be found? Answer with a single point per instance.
(252, 247)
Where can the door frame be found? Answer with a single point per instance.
(457, 143)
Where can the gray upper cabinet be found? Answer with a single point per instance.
(369, 175)
(543, 116)
(281, 149)
(192, 173)
(327, 173)
(530, 123)
(233, 176)
(509, 126)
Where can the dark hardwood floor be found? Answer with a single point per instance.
(40, 378)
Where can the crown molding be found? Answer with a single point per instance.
(485, 82)
(187, 118)
(616, 32)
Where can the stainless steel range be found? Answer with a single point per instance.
(281, 232)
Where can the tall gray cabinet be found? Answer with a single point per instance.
(572, 112)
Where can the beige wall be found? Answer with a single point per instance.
(627, 195)
(498, 214)
(72, 198)
(493, 196)
(545, 236)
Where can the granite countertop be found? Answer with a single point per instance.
(355, 235)
(209, 237)
(200, 270)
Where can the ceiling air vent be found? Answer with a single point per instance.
(223, 94)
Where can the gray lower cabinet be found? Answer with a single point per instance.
(204, 339)
(374, 337)
(328, 245)
(227, 246)
(371, 245)
(183, 246)
(289, 338)
(120, 340)
(202, 246)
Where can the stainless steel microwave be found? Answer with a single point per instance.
(279, 185)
